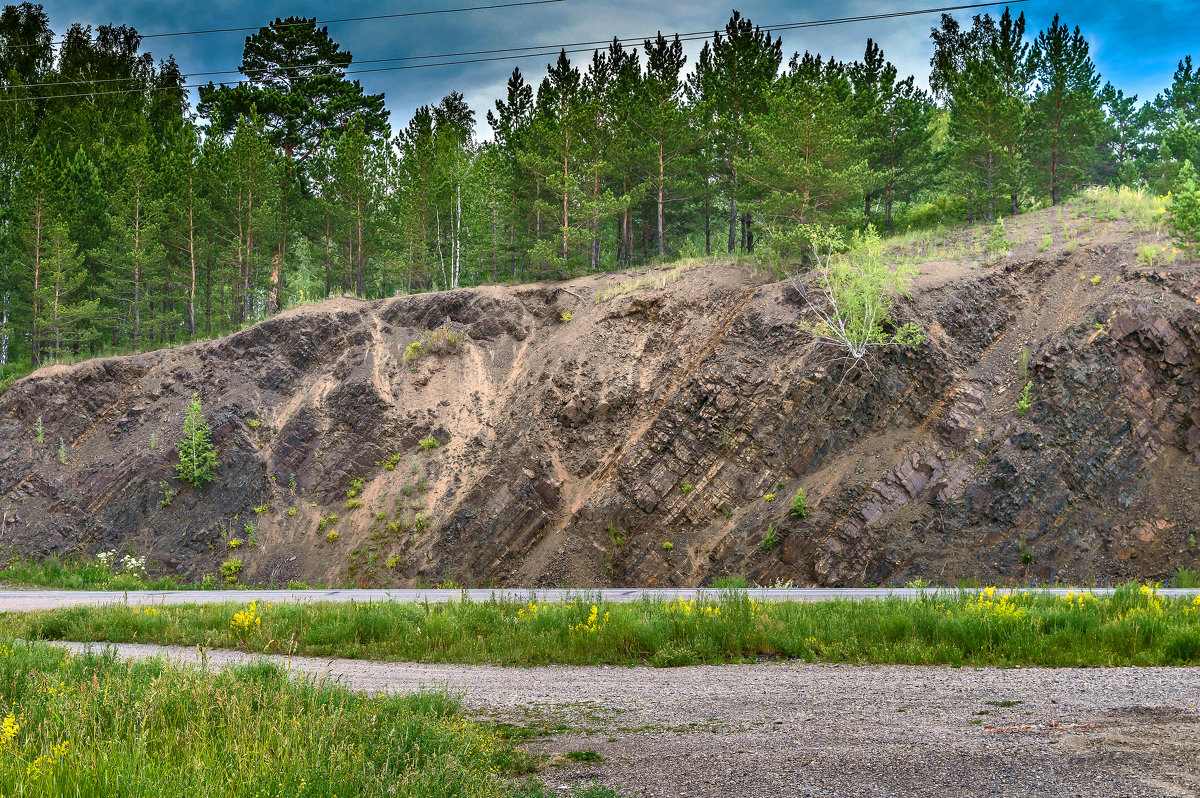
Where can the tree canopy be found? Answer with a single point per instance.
(130, 220)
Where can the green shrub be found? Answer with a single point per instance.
(799, 504)
(1187, 577)
(997, 241)
(942, 210)
(1025, 401)
(1182, 647)
(770, 539)
(854, 293)
(230, 569)
(428, 443)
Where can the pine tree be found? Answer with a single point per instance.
(59, 295)
(1184, 207)
(1175, 118)
(511, 125)
(296, 84)
(135, 254)
(356, 178)
(662, 122)
(1124, 139)
(806, 156)
(197, 458)
(730, 85)
(895, 132)
(33, 216)
(247, 187)
(983, 75)
(1066, 120)
(187, 213)
(559, 119)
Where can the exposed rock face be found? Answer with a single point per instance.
(570, 452)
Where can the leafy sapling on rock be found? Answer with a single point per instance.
(197, 457)
(1026, 400)
(853, 295)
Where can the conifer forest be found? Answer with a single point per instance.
(132, 219)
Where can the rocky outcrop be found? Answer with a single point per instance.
(658, 438)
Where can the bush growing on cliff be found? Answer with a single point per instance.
(855, 293)
(799, 504)
(197, 458)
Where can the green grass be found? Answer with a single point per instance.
(1144, 209)
(96, 726)
(81, 574)
(1136, 626)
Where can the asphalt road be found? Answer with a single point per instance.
(24, 600)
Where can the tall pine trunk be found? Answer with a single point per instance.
(662, 243)
(191, 303)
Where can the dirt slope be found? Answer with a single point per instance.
(571, 452)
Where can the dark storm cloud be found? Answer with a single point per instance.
(1135, 45)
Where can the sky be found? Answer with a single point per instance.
(1135, 45)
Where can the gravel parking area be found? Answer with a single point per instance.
(796, 729)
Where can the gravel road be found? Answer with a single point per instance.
(796, 729)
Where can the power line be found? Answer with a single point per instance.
(373, 18)
(510, 53)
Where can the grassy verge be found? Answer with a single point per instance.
(1135, 626)
(82, 574)
(95, 726)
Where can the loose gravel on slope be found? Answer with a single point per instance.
(797, 729)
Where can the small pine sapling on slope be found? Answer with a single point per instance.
(197, 458)
(1184, 207)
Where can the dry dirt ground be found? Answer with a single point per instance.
(797, 729)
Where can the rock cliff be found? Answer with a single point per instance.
(657, 437)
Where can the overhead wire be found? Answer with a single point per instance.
(489, 56)
(282, 24)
